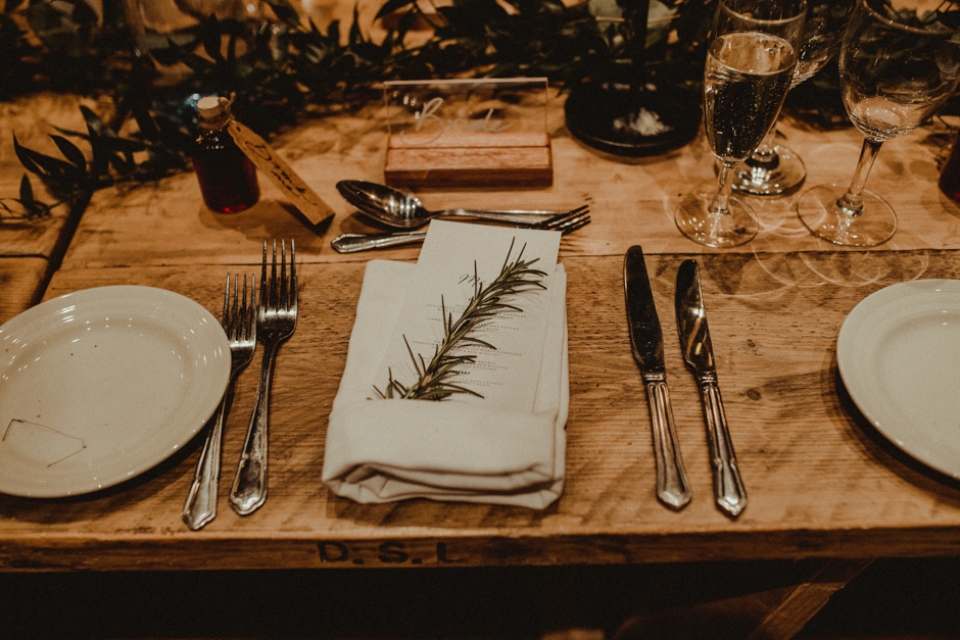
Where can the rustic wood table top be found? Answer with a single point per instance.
(821, 481)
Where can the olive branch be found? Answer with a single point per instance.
(434, 378)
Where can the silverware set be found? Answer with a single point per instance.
(646, 337)
(405, 212)
(246, 322)
(565, 222)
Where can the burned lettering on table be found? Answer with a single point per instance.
(391, 552)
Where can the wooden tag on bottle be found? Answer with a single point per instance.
(280, 173)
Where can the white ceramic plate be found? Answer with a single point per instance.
(899, 357)
(100, 385)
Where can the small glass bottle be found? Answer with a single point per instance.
(950, 174)
(228, 179)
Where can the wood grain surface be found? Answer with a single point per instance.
(821, 482)
(22, 283)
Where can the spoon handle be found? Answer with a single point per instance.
(350, 242)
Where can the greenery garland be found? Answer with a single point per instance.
(283, 69)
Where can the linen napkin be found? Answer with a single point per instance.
(460, 449)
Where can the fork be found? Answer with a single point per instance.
(566, 222)
(239, 322)
(276, 320)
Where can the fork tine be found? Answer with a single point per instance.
(292, 302)
(224, 315)
(560, 222)
(274, 301)
(229, 320)
(247, 314)
(572, 221)
(579, 224)
(564, 215)
(263, 281)
(282, 294)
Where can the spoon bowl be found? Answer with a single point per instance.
(401, 210)
(385, 205)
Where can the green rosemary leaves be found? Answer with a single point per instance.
(436, 378)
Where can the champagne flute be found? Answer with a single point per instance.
(896, 69)
(774, 169)
(749, 66)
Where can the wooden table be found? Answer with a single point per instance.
(822, 483)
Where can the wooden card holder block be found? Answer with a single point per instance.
(502, 160)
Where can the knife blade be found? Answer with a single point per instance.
(698, 353)
(646, 340)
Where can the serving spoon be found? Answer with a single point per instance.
(404, 211)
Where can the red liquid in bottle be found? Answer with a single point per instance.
(228, 179)
(950, 174)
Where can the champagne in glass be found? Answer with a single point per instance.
(774, 169)
(896, 69)
(750, 63)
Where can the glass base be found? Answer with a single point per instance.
(781, 174)
(824, 217)
(695, 220)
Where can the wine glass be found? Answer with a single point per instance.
(896, 69)
(773, 169)
(749, 66)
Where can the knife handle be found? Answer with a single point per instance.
(673, 488)
(727, 484)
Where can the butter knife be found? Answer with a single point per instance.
(698, 354)
(646, 339)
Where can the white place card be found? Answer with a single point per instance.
(453, 257)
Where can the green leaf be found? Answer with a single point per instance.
(42, 164)
(95, 125)
(122, 145)
(71, 152)
(390, 6)
(24, 155)
(26, 191)
(210, 36)
(285, 11)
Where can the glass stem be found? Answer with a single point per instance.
(852, 201)
(718, 207)
(765, 155)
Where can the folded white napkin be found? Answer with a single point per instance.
(382, 450)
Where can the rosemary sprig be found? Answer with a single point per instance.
(434, 378)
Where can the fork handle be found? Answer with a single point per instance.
(201, 506)
(350, 242)
(250, 484)
(516, 216)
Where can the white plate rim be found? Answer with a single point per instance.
(204, 334)
(910, 438)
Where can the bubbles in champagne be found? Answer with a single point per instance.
(746, 78)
